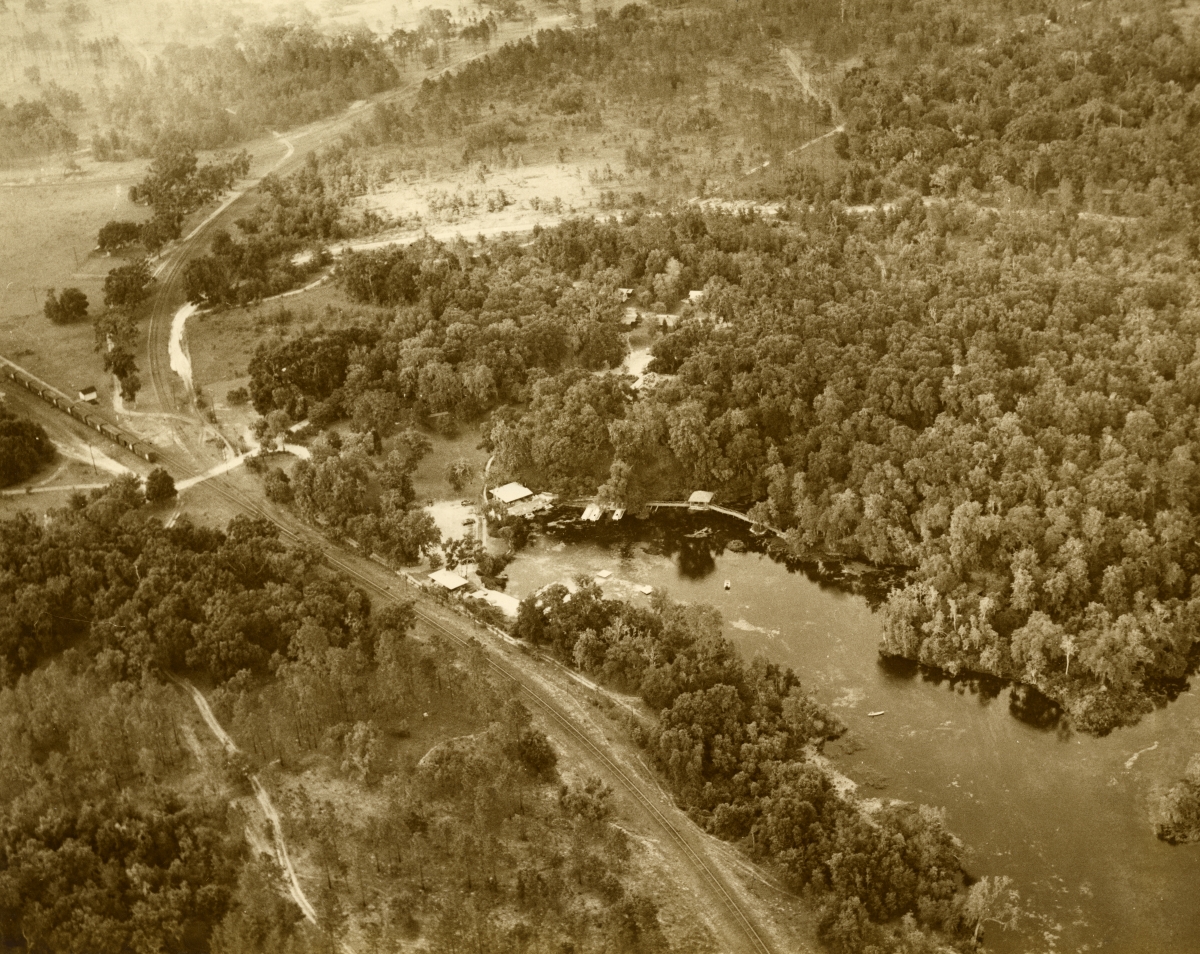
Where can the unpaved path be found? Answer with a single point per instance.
(264, 801)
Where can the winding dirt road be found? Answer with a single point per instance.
(171, 395)
(698, 862)
(264, 801)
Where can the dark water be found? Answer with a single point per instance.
(1063, 814)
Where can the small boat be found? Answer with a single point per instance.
(879, 713)
(727, 584)
(618, 514)
(592, 513)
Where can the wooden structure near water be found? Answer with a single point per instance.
(593, 510)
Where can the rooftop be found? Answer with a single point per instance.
(510, 493)
(451, 581)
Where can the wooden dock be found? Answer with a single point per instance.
(590, 506)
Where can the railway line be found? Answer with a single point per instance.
(185, 460)
(754, 941)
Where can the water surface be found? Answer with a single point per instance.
(1061, 813)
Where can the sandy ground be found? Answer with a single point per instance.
(538, 195)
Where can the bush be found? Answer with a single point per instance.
(277, 487)
(160, 486)
(237, 397)
(460, 473)
(71, 305)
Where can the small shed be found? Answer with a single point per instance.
(700, 498)
(89, 394)
(696, 296)
(447, 580)
(511, 493)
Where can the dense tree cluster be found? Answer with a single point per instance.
(310, 367)
(29, 129)
(356, 491)
(284, 238)
(271, 77)
(174, 185)
(1101, 110)
(95, 854)
(470, 329)
(24, 447)
(104, 575)
(1003, 402)
(735, 741)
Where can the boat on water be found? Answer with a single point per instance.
(727, 584)
(879, 713)
(618, 514)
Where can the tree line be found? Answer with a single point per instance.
(736, 742)
(270, 77)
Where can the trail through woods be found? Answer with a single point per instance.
(264, 801)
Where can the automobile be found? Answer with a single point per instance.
(469, 522)
(466, 503)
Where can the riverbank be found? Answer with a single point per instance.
(1062, 813)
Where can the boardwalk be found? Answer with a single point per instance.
(587, 503)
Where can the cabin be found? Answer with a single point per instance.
(696, 296)
(511, 493)
(623, 294)
(89, 395)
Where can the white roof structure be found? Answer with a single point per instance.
(508, 605)
(451, 581)
(701, 497)
(510, 493)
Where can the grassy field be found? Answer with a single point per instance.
(47, 233)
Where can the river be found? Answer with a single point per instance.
(1063, 814)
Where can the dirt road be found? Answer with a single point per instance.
(701, 865)
(264, 800)
(171, 395)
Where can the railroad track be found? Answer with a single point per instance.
(754, 940)
(167, 298)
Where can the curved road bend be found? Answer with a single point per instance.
(171, 394)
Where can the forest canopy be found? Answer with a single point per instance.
(24, 447)
(274, 77)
